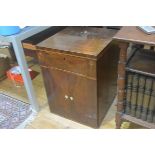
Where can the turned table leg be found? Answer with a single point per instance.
(121, 83)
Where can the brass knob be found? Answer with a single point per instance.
(71, 98)
(66, 97)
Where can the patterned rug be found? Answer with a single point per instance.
(13, 112)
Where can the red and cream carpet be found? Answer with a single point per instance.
(13, 113)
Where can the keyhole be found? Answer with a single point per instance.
(64, 58)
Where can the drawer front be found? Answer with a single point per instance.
(75, 64)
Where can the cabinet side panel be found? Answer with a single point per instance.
(107, 79)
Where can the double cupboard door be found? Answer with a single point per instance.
(71, 95)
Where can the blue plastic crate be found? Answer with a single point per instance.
(9, 30)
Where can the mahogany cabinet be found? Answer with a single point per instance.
(79, 66)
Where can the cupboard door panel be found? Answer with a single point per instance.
(57, 91)
(83, 100)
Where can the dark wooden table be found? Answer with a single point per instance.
(29, 44)
(128, 34)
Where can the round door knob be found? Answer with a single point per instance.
(71, 98)
(66, 97)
